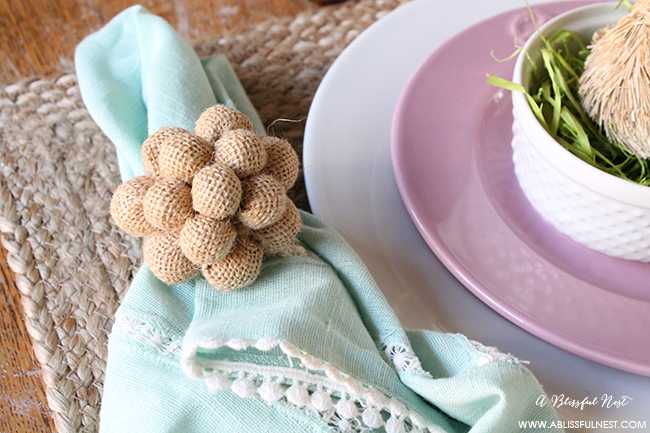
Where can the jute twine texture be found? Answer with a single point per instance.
(214, 121)
(127, 209)
(263, 201)
(216, 191)
(242, 150)
(283, 163)
(239, 269)
(183, 155)
(205, 240)
(280, 236)
(163, 254)
(194, 225)
(167, 204)
(151, 148)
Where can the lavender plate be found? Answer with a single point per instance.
(452, 161)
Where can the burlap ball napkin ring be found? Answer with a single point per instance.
(214, 201)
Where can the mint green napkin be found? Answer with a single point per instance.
(312, 345)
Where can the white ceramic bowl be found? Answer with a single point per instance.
(592, 207)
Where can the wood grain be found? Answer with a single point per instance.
(22, 396)
(37, 38)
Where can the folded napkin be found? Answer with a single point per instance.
(312, 345)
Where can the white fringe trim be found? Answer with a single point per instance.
(310, 384)
(340, 400)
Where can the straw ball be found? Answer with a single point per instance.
(126, 206)
(241, 150)
(167, 204)
(182, 154)
(282, 161)
(263, 201)
(216, 191)
(205, 240)
(166, 260)
(615, 85)
(151, 148)
(238, 269)
(218, 119)
(278, 238)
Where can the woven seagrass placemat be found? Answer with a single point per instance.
(57, 172)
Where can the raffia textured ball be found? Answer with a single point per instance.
(182, 155)
(238, 269)
(263, 201)
(241, 150)
(218, 119)
(282, 162)
(151, 148)
(167, 204)
(127, 209)
(205, 240)
(163, 254)
(216, 201)
(216, 191)
(615, 85)
(281, 236)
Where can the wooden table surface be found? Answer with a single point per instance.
(37, 37)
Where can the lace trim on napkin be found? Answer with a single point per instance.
(491, 354)
(311, 384)
(404, 359)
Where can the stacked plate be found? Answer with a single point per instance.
(425, 137)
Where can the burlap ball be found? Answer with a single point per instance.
(263, 201)
(205, 240)
(283, 163)
(218, 119)
(216, 191)
(182, 154)
(151, 148)
(278, 238)
(168, 204)
(126, 206)
(238, 269)
(241, 150)
(165, 259)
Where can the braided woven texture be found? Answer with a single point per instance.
(57, 173)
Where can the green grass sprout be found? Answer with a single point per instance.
(625, 3)
(554, 99)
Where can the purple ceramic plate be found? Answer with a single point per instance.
(452, 159)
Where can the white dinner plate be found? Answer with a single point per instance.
(351, 187)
